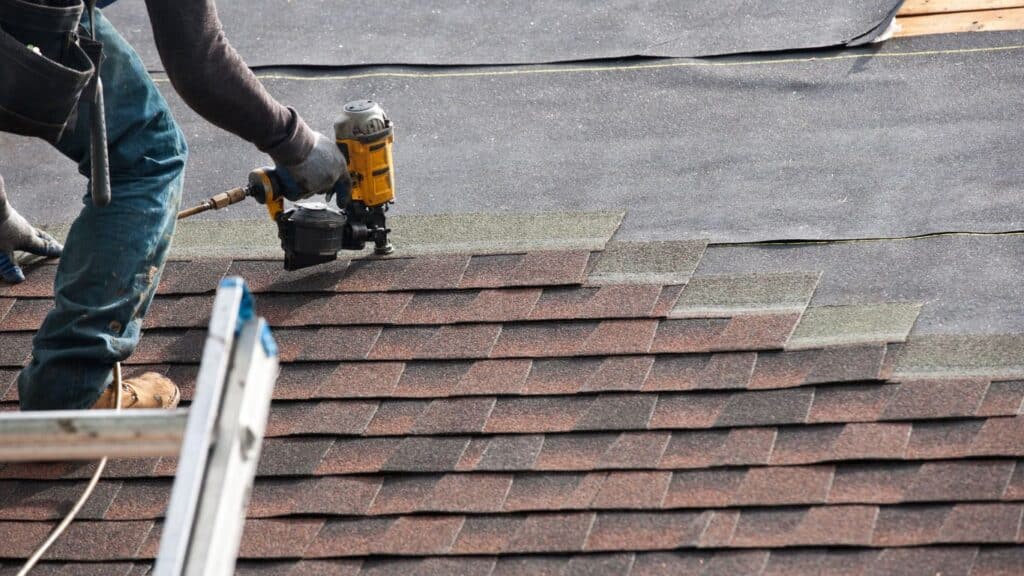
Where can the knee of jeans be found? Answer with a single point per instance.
(168, 138)
(176, 146)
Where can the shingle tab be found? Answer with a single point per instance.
(826, 365)
(999, 560)
(83, 540)
(322, 344)
(16, 349)
(23, 314)
(616, 301)
(431, 273)
(661, 262)
(936, 399)
(530, 269)
(448, 307)
(193, 277)
(542, 339)
(454, 341)
(854, 324)
(833, 561)
(638, 531)
(635, 450)
(701, 372)
(511, 453)
(724, 296)
(398, 495)
(426, 454)
(996, 356)
(328, 309)
(264, 276)
(828, 525)
(750, 332)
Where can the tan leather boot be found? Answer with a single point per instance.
(151, 390)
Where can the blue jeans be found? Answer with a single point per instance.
(114, 255)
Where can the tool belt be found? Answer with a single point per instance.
(46, 68)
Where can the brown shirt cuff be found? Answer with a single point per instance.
(295, 147)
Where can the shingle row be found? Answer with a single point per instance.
(528, 377)
(872, 402)
(411, 308)
(553, 376)
(472, 341)
(931, 560)
(557, 532)
(659, 450)
(542, 268)
(481, 493)
(548, 376)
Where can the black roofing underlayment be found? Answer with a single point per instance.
(917, 136)
(441, 32)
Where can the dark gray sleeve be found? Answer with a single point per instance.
(214, 81)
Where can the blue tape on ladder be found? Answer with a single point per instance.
(247, 311)
(269, 344)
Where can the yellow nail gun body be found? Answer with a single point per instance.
(314, 233)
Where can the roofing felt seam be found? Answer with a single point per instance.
(590, 69)
(807, 242)
(722, 171)
(719, 183)
(441, 33)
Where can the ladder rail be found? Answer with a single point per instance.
(231, 470)
(207, 511)
(197, 444)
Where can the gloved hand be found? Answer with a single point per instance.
(317, 174)
(17, 234)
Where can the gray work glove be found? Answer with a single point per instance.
(318, 173)
(17, 234)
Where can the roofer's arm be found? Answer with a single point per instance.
(214, 81)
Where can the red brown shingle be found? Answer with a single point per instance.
(493, 414)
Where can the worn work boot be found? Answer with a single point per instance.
(151, 390)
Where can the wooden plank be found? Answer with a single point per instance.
(90, 434)
(919, 7)
(985, 20)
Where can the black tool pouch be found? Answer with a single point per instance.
(40, 88)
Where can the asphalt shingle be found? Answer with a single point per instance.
(578, 412)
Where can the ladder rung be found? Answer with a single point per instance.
(90, 434)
